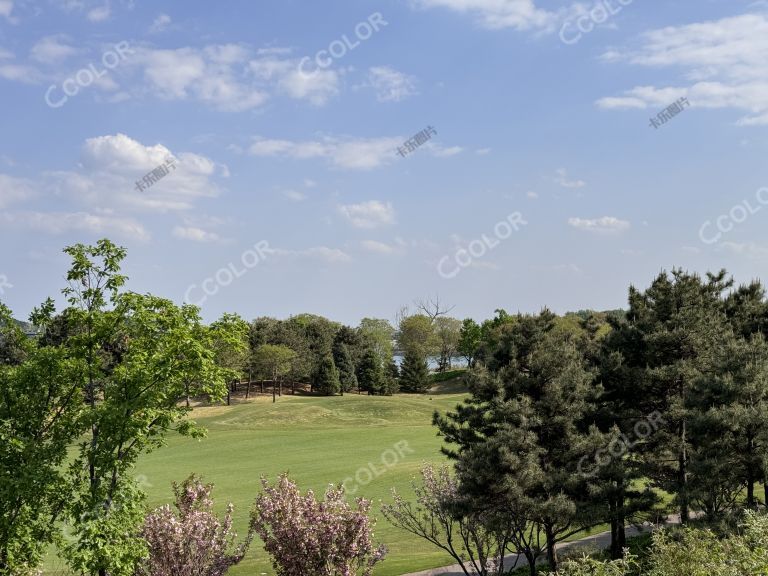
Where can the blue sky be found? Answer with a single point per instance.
(541, 111)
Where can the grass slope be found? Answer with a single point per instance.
(318, 441)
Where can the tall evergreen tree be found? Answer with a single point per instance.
(518, 436)
(370, 373)
(679, 325)
(414, 375)
(327, 377)
(343, 360)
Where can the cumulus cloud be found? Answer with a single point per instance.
(99, 14)
(604, 225)
(344, 152)
(749, 250)
(62, 222)
(195, 234)
(390, 85)
(564, 181)
(722, 62)
(294, 195)
(318, 253)
(372, 214)
(103, 194)
(160, 23)
(14, 190)
(349, 153)
(495, 14)
(52, 50)
(6, 8)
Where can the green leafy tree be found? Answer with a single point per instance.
(139, 353)
(40, 408)
(276, 361)
(470, 337)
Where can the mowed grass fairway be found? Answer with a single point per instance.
(318, 441)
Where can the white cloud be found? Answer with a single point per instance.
(294, 195)
(160, 23)
(111, 166)
(517, 14)
(391, 85)
(321, 253)
(195, 234)
(749, 250)
(372, 214)
(722, 61)
(14, 190)
(377, 247)
(440, 152)
(99, 14)
(349, 153)
(604, 225)
(52, 50)
(63, 222)
(563, 180)
(6, 8)
(343, 152)
(20, 73)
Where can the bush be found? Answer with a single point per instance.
(322, 538)
(193, 542)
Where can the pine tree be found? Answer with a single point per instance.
(327, 377)
(518, 437)
(414, 375)
(343, 360)
(370, 374)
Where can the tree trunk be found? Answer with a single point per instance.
(683, 477)
(765, 493)
(615, 550)
(261, 382)
(531, 563)
(248, 390)
(551, 550)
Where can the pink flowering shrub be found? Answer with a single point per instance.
(306, 537)
(192, 541)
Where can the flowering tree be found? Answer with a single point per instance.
(304, 536)
(477, 541)
(193, 542)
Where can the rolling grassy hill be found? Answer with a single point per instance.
(318, 441)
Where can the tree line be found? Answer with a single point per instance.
(605, 418)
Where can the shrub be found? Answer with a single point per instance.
(192, 542)
(322, 538)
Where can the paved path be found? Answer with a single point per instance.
(598, 541)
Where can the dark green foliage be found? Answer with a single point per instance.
(414, 374)
(343, 360)
(370, 374)
(327, 377)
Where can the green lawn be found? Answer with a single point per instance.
(318, 441)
